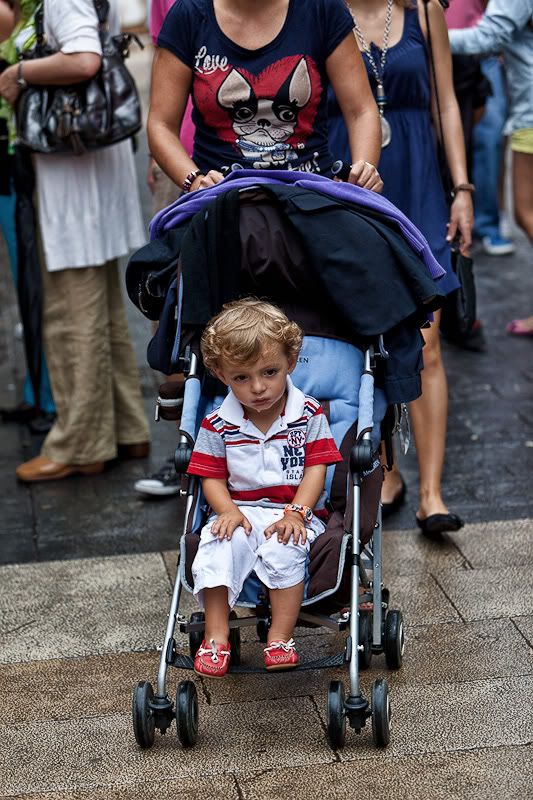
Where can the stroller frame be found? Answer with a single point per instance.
(156, 710)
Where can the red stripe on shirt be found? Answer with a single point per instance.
(276, 494)
(321, 451)
(207, 466)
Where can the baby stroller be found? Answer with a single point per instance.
(345, 563)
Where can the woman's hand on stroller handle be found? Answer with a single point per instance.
(206, 181)
(290, 525)
(361, 173)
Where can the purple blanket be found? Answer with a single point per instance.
(189, 204)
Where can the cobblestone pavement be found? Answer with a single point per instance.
(86, 580)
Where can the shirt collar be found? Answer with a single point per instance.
(232, 411)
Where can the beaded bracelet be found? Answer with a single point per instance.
(463, 187)
(189, 180)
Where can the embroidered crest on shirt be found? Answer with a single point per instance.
(296, 438)
(267, 117)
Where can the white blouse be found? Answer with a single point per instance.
(88, 206)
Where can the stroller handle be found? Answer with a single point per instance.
(232, 168)
(341, 170)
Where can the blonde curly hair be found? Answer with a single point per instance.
(244, 329)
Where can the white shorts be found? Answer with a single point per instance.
(220, 562)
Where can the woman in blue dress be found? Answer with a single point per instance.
(399, 74)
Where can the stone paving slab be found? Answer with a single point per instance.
(451, 717)
(75, 687)
(86, 607)
(420, 599)
(525, 626)
(488, 593)
(495, 543)
(220, 787)
(99, 685)
(495, 774)
(257, 736)
(447, 653)
(81, 753)
(406, 552)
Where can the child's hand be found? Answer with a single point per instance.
(227, 522)
(290, 524)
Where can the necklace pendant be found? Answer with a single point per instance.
(386, 131)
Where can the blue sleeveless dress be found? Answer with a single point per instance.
(408, 165)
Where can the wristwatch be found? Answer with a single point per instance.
(22, 82)
(305, 511)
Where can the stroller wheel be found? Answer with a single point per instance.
(196, 637)
(394, 639)
(187, 713)
(336, 715)
(143, 717)
(235, 642)
(381, 713)
(365, 639)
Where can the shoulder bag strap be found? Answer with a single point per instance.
(102, 10)
(40, 38)
(449, 187)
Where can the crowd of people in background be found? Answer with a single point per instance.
(376, 83)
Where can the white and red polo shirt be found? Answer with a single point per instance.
(264, 466)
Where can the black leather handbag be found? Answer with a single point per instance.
(84, 116)
(458, 319)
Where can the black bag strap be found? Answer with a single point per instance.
(102, 10)
(40, 38)
(449, 187)
(100, 6)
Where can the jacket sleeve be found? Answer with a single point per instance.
(502, 20)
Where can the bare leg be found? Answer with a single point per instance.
(428, 419)
(523, 191)
(285, 609)
(216, 614)
(392, 484)
(523, 205)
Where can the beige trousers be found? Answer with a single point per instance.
(165, 190)
(93, 371)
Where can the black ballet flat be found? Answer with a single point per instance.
(436, 524)
(387, 509)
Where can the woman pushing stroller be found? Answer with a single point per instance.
(262, 456)
(258, 75)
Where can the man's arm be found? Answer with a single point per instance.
(502, 20)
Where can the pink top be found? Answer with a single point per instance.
(158, 12)
(463, 13)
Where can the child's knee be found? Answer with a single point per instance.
(283, 564)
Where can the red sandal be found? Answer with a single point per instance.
(281, 655)
(212, 661)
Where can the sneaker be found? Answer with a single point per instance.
(497, 245)
(162, 483)
(212, 661)
(281, 655)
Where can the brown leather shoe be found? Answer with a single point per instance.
(138, 450)
(42, 469)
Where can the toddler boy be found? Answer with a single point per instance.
(262, 457)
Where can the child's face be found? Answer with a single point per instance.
(259, 385)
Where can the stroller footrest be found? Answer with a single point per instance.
(186, 662)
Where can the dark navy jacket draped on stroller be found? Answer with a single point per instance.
(358, 271)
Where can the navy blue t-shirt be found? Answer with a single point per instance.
(260, 108)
